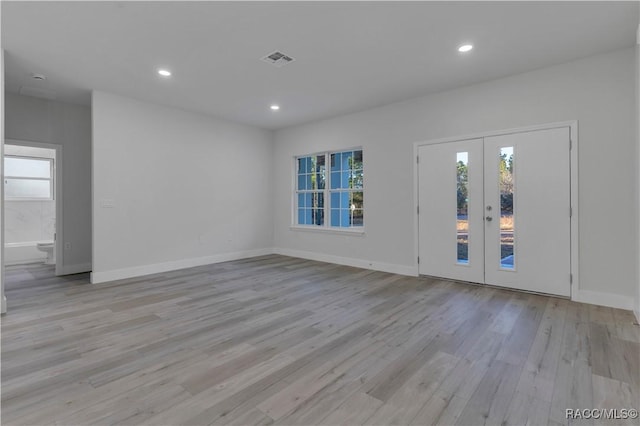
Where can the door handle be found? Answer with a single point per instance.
(488, 218)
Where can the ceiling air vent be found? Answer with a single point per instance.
(278, 59)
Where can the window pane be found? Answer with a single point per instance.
(310, 181)
(356, 200)
(462, 194)
(302, 165)
(335, 200)
(506, 186)
(320, 172)
(345, 217)
(357, 159)
(317, 217)
(345, 179)
(347, 158)
(335, 217)
(335, 162)
(302, 182)
(357, 178)
(306, 217)
(345, 200)
(335, 180)
(27, 167)
(301, 201)
(27, 188)
(357, 218)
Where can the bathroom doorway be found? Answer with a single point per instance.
(32, 204)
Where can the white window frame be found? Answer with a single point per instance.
(326, 227)
(50, 179)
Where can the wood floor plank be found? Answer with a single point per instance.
(280, 340)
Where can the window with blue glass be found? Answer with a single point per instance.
(311, 176)
(331, 186)
(346, 189)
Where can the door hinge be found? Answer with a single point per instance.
(417, 159)
(570, 211)
(570, 144)
(570, 278)
(418, 260)
(417, 209)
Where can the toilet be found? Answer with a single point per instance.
(48, 248)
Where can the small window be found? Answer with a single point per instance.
(28, 178)
(330, 190)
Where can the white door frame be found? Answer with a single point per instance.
(59, 246)
(573, 132)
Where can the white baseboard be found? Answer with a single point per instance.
(136, 271)
(74, 269)
(603, 299)
(348, 261)
(583, 296)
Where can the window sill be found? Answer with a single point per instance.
(326, 230)
(29, 199)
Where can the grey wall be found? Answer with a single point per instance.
(3, 299)
(597, 91)
(69, 125)
(637, 299)
(174, 189)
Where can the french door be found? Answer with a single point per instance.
(496, 210)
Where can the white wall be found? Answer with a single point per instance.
(185, 189)
(637, 300)
(597, 91)
(69, 125)
(3, 298)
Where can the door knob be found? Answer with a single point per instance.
(488, 218)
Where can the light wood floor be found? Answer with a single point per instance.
(278, 340)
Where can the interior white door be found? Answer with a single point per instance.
(527, 211)
(451, 229)
(496, 210)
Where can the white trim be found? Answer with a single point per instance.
(603, 299)
(58, 164)
(573, 135)
(136, 271)
(491, 133)
(75, 269)
(348, 261)
(355, 231)
(575, 211)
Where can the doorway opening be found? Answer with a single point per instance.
(32, 204)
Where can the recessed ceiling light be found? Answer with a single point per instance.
(465, 48)
(164, 73)
(275, 107)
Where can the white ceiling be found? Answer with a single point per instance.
(349, 56)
